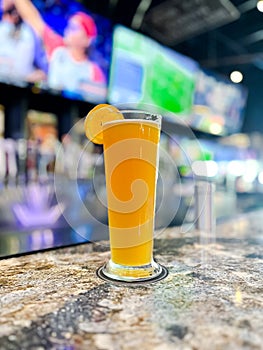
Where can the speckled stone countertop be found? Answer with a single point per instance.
(211, 299)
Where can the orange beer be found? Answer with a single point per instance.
(131, 156)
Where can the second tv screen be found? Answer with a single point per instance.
(147, 74)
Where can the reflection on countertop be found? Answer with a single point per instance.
(211, 299)
(83, 223)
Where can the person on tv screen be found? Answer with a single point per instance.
(21, 56)
(70, 68)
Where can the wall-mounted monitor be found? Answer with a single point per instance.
(219, 104)
(59, 46)
(147, 74)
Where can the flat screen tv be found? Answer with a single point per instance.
(219, 104)
(59, 46)
(145, 74)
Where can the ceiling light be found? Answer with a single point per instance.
(205, 168)
(236, 168)
(236, 76)
(260, 5)
(215, 128)
(260, 177)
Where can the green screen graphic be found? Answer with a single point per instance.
(145, 72)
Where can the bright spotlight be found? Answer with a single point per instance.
(236, 76)
(260, 5)
(260, 177)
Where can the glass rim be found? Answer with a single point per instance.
(132, 115)
(156, 120)
(141, 111)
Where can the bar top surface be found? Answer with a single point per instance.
(211, 299)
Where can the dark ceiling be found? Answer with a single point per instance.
(217, 33)
(220, 34)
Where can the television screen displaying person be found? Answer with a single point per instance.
(70, 67)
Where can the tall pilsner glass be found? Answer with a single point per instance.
(131, 166)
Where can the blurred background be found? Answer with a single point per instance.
(199, 63)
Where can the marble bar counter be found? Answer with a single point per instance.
(211, 299)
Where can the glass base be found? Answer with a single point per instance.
(112, 272)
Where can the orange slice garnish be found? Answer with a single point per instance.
(99, 115)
